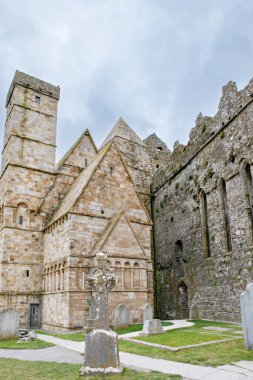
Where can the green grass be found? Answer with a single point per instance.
(77, 337)
(11, 369)
(211, 355)
(136, 328)
(13, 344)
(177, 338)
(192, 335)
(80, 337)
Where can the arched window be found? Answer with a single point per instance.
(247, 188)
(136, 279)
(225, 214)
(127, 275)
(179, 253)
(204, 223)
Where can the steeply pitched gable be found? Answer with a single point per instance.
(83, 148)
(122, 129)
(119, 238)
(104, 187)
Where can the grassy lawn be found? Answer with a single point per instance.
(212, 355)
(192, 335)
(79, 336)
(11, 369)
(177, 338)
(136, 328)
(12, 344)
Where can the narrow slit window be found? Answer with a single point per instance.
(225, 214)
(37, 99)
(204, 224)
(111, 171)
(85, 163)
(20, 219)
(27, 272)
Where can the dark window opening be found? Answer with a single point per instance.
(37, 99)
(85, 163)
(204, 224)
(111, 171)
(225, 213)
(20, 219)
(27, 272)
(102, 212)
(159, 148)
(157, 166)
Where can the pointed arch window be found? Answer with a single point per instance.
(247, 188)
(225, 214)
(204, 224)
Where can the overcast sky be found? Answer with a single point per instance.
(156, 63)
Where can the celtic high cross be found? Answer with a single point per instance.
(102, 281)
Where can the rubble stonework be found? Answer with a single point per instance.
(202, 213)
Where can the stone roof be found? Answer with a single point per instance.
(122, 129)
(79, 184)
(33, 83)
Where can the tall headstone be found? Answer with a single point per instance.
(247, 316)
(147, 312)
(194, 311)
(121, 316)
(101, 345)
(9, 324)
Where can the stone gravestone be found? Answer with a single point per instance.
(101, 345)
(194, 311)
(121, 316)
(9, 324)
(147, 312)
(152, 327)
(247, 316)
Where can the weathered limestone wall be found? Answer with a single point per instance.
(202, 212)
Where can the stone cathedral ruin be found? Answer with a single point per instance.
(177, 227)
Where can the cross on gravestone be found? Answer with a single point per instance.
(101, 345)
(102, 281)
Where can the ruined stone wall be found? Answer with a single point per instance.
(202, 212)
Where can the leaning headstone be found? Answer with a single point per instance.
(9, 324)
(247, 316)
(101, 345)
(194, 311)
(147, 312)
(152, 327)
(121, 316)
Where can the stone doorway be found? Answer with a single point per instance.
(183, 310)
(34, 315)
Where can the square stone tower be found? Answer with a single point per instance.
(28, 162)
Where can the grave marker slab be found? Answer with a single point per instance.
(121, 316)
(9, 324)
(247, 316)
(147, 312)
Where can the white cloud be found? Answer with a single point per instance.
(157, 64)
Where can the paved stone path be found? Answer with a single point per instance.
(69, 352)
